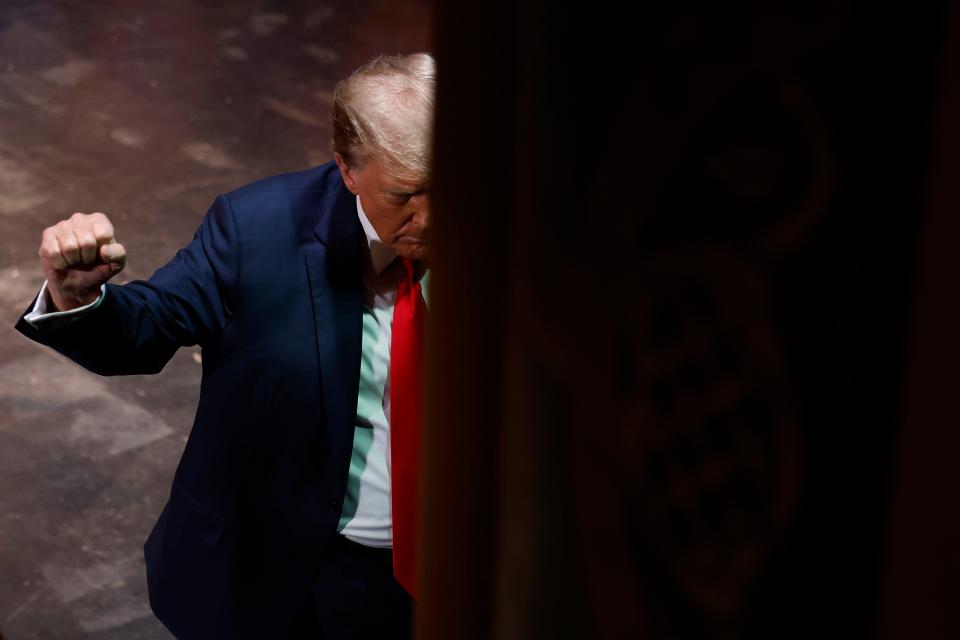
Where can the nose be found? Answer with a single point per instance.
(420, 204)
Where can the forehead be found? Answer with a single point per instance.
(392, 183)
(387, 181)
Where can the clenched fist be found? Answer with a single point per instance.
(78, 255)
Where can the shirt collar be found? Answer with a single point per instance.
(380, 254)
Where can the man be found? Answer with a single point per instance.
(292, 510)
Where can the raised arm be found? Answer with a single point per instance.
(137, 327)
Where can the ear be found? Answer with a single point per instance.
(349, 175)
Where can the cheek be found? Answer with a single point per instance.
(386, 219)
(398, 224)
(402, 220)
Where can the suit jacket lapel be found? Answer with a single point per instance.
(335, 273)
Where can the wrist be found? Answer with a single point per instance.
(66, 302)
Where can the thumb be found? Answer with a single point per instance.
(102, 272)
(115, 254)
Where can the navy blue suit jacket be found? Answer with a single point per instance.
(271, 288)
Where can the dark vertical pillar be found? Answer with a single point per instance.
(674, 258)
(474, 194)
(921, 590)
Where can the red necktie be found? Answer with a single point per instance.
(405, 355)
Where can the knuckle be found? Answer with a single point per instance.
(103, 231)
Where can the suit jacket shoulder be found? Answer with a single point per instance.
(324, 177)
(292, 207)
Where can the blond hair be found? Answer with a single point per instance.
(385, 110)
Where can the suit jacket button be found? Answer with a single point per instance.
(334, 505)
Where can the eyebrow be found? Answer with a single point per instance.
(403, 192)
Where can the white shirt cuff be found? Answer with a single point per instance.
(39, 312)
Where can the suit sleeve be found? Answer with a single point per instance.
(138, 326)
(40, 316)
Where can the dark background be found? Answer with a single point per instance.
(709, 338)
